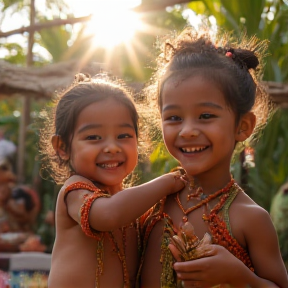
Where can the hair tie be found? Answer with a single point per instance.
(229, 54)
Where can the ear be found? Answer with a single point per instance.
(245, 127)
(59, 147)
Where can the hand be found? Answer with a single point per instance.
(218, 267)
(178, 181)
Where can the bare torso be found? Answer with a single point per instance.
(74, 256)
(152, 268)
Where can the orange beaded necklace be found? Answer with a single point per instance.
(204, 201)
(218, 226)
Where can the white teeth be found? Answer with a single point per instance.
(193, 149)
(109, 165)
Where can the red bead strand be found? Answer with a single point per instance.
(206, 200)
(218, 227)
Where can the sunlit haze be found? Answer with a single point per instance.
(114, 27)
(112, 21)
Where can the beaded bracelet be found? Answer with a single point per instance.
(80, 185)
(86, 206)
(84, 213)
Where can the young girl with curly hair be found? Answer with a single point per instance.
(92, 132)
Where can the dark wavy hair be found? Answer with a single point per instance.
(235, 66)
(60, 117)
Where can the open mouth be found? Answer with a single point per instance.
(194, 149)
(109, 165)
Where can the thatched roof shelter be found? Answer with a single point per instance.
(278, 93)
(40, 82)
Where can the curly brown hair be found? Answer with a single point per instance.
(60, 116)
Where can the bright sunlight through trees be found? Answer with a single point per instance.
(112, 21)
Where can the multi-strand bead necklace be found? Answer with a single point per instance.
(205, 198)
(217, 225)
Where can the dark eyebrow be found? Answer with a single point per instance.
(87, 127)
(127, 125)
(210, 104)
(93, 126)
(170, 107)
(204, 104)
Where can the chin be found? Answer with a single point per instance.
(191, 171)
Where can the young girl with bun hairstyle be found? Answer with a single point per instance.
(210, 98)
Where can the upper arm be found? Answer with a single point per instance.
(99, 217)
(74, 199)
(263, 247)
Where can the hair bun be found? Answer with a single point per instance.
(82, 77)
(247, 57)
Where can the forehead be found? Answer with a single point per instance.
(191, 90)
(105, 112)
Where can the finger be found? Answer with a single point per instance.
(175, 252)
(190, 266)
(194, 284)
(190, 276)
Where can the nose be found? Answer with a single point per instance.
(112, 147)
(189, 130)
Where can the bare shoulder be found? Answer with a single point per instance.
(257, 233)
(248, 209)
(71, 202)
(76, 178)
(248, 220)
(72, 180)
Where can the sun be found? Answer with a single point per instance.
(112, 27)
(112, 21)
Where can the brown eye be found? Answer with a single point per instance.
(93, 137)
(123, 136)
(206, 116)
(174, 118)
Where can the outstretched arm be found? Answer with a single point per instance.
(107, 214)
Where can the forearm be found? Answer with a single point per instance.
(124, 207)
(248, 279)
(261, 283)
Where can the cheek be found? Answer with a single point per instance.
(135, 157)
(132, 150)
(168, 134)
(226, 130)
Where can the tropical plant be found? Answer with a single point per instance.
(271, 158)
(264, 18)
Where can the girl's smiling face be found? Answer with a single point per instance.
(199, 129)
(104, 145)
